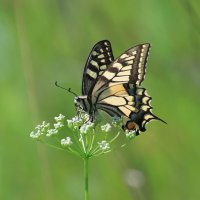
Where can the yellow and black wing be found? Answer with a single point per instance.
(128, 101)
(130, 67)
(118, 91)
(98, 61)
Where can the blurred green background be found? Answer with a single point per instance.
(42, 41)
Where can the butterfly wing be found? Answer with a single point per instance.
(118, 92)
(130, 67)
(129, 102)
(98, 61)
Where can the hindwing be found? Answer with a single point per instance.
(129, 102)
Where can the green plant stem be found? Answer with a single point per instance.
(86, 176)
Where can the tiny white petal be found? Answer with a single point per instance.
(104, 145)
(35, 134)
(83, 129)
(107, 127)
(87, 127)
(116, 120)
(130, 134)
(51, 132)
(58, 125)
(66, 141)
(38, 127)
(59, 118)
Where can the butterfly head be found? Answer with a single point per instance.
(81, 103)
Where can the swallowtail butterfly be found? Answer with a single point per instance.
(114, 85)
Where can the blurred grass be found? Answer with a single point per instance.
(44, 41)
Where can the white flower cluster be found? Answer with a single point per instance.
(44, 128)
(59, 118)
(106, 128)
(51, 132)
(59, 124)
(116, 121)
(66, 141)
(85, 131)
(130, 134)
(78, 121)
(87, 127)
(103, 145)
(75, 122)
(39, 130)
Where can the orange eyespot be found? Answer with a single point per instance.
(130, 125)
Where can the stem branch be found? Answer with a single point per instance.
(86, 176)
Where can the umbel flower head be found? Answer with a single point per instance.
(80, 136)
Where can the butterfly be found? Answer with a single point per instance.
(114, 86)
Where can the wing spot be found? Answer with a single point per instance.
(117, 65)
(101, 56)
(94, 63)
(129, 67)
(130, 62)
(134, 53)
(94, 53)
(145, 107)
(123, 56)
(130, 58)
(124, 73)
(148, 117)
(92, 74)
(108, 75)
(144, 122)
(145, 100)
(140, 91)
(140, 76)
(146, 93)
(130, 125)
(140, 70)
(103, 67)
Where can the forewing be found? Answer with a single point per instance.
(98, 60)
(130, 67)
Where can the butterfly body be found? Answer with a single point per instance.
(114, 86)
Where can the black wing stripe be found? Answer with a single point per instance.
(113, 111)
(99, 59)
(129, 67)
(135, 105)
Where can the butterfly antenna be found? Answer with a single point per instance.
(69, 89)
